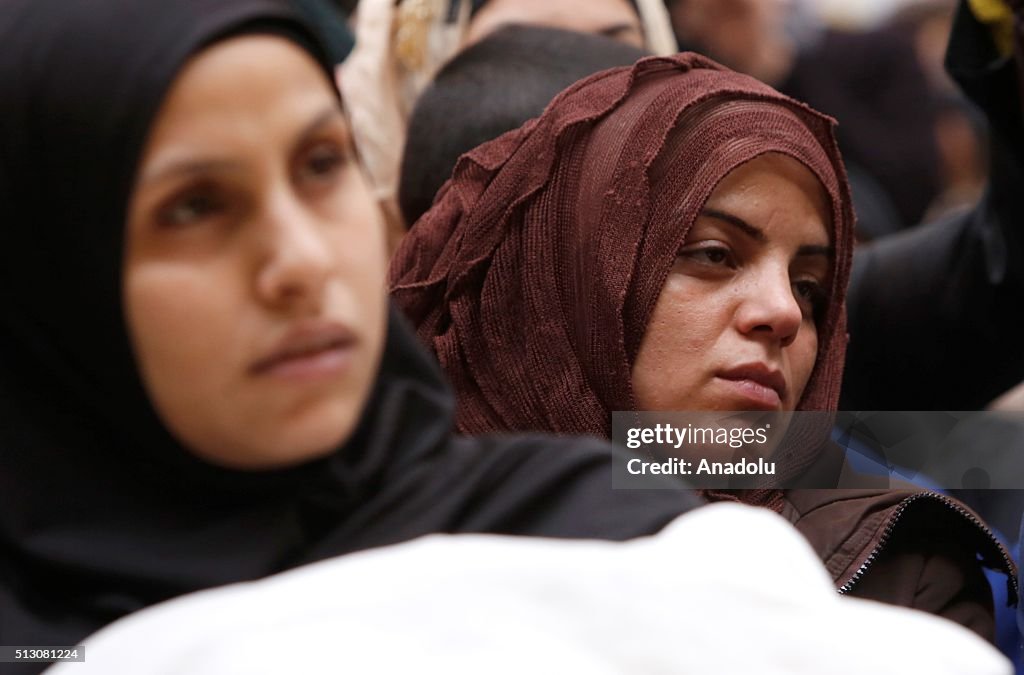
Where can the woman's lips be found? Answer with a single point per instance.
(753, 395)
(757, 386)
(310, 350)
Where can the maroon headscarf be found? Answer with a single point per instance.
(534, 275)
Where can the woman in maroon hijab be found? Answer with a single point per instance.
(674, 236)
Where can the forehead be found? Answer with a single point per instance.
(250, 77)
(775, 190)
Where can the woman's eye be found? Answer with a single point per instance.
(708, 255)
(322, 162)
(811, 295)
(716, 256)
(189, 209)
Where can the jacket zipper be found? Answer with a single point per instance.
(862, 570)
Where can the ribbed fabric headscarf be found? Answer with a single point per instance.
(534, 275)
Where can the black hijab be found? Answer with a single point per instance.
(103, 513)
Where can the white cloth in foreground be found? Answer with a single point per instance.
(723, 589)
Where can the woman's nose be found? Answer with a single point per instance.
(769, 309)
(296, 260)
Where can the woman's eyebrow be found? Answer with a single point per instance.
(172, 167)
(814, 249)
(737, 222)
(759, 236)
(192, 166)
(326, 117)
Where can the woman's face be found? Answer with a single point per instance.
(734, 326)
(254, 260)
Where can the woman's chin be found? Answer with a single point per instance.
(263, 447)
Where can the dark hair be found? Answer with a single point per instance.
(492, 87)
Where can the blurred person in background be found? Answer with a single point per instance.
(953, 286)
(400, 47)
(870, 81)
(509, 76)
(961, 132)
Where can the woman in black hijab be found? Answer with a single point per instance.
(201, 380)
